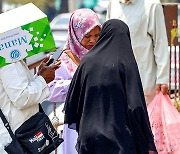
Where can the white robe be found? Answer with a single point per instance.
(145, 19)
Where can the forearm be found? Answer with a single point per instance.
(60, 85)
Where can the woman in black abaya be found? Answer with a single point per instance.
(105, 100)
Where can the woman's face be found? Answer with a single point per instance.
(90, 39)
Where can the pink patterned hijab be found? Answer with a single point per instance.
(82, 21)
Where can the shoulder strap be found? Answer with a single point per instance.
(6, 124)
(74, 58)
(41, 109)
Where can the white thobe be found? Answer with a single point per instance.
(145, 19)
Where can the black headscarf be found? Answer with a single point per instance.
(106, 100)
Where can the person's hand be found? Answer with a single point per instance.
(162, 87)
(74, 58)
(61, 123)
(48, 72)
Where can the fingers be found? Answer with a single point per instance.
(164, 89)
(58, 62)
(56, 65)
(61, 123)
(46, 59)
(47, 73)
(158, 88)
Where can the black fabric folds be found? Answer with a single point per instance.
(106, 100)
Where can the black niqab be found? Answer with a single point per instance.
(106, 100)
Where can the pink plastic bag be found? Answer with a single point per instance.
(165, 124)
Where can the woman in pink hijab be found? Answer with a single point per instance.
(83, 33)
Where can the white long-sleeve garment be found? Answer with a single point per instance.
(145, 19)
(20, 94)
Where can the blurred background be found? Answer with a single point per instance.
(59, 11)
(54, 7)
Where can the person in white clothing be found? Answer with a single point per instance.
(20, 94)
(145, 19)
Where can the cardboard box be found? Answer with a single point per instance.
(24, 31)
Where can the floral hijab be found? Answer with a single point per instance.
(82, 21)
